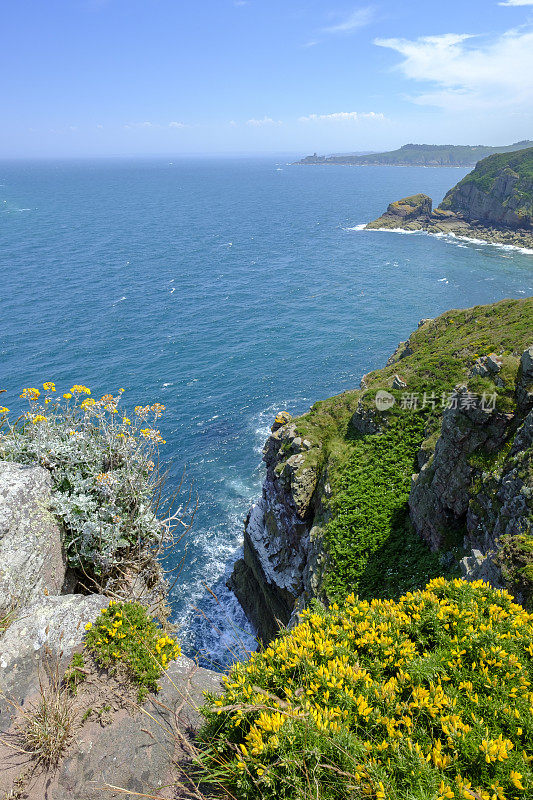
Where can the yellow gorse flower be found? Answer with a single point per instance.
(361, 670)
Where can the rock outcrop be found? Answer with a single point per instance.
(440, 493)
(118, 744)
(497, 192)
(31, 560)
(281, 552)
(47, 631)
(417, 208)
(494, 203)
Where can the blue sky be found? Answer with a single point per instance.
(125, 77)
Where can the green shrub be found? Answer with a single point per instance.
(370, 546)
(426, 698)
(125, 636)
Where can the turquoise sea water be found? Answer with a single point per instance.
(226, 290)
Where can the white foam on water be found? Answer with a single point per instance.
(214, 627)
(450, 237)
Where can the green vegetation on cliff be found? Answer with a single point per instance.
(437, 155)
(369, 540)
(485, 172)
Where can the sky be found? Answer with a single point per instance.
(191, 77)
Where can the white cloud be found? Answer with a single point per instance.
(259, 123)
(139, 125)
(517, 3)
(343, 116)
(357, 19)
(468, 72)
(177, 125)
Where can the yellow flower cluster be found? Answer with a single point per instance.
(30, 393)
(435, 687)
(167, 649)
(4, 410)
(124, 633)
(152, 435)
(79, 389)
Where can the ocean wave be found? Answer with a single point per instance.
(451, 237)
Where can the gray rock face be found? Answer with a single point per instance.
(402, 351)
(499, 207)
(398, 383)
(49, 629)
(280, 552)
(144, 750)
(500, 518)
(487, 365)
(440, 493)
(137, 750)
(30, 544)
(481, 567)
(524, 389)
(487, 502)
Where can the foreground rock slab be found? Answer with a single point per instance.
(120, 749)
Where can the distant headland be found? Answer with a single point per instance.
(421, 155)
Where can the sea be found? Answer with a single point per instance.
(228, 290)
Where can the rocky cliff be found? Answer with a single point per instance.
(426, 470)
(493, 202)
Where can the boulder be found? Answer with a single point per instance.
(398, 383)
(31, 560)
(487, 366)
(46, 631)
